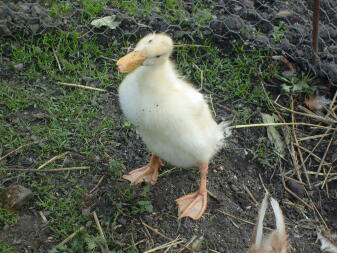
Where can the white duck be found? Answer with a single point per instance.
(170, 115)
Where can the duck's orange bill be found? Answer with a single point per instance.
(130, 61)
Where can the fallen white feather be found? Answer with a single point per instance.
(328, 241)
(108, 21)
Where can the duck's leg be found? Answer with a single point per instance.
(194, 204)
(148, 173)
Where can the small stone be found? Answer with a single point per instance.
(15, 196)
(122, 221)
(38, 50)
(296, 188)
(86, 211)
(4, 29)
(34, 28)
(18, 67)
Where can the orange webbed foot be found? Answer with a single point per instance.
(143, 174)
(147, 174)
(192, 205)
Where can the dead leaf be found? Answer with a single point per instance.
(328, 241)
(292, 71)
(316, 102)
(108, 21)
(273, 135)
(283, 14)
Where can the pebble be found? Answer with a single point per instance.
(18, 67)
(15, 196)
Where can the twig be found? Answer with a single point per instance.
(250, 195)
(315, 208)
(96, 186)
(333, 101)
(320, 173)
(69, 237)
(48, 170)
(201, 76)
(189, 45)
(81, 86)
(299, 151)
(313, 137)
(320, 140)
(43, 217)
(240, 219)
(264, 187)
(327, 181)
(327, 176)
(53, 159)
(316, 157)
(294, 194)
(19, 148)
(133, 245)
(100, 230)
(166, 245)
(156, 231)
(325, 153)
(315, 23)
(57, 60)
(315, 116)
(281, 124)
(293, 179)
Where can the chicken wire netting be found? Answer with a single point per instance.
(284, 27)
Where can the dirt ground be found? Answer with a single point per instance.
(232, 171)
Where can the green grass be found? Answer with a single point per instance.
(8, 217)
(4, 248)
(231, 78)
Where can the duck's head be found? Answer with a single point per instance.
(152, 50)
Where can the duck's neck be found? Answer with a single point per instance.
(163, 73)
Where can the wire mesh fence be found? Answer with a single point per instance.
(284, 27)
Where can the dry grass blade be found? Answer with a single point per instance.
(243, 220)
(250, 195)
(96, 186)
(100, 230)
(69, 237)
(333, 101)
(320, 173)
(19, 148)
(170, 244)
(189, 45)
(325, 153)
(316, 157)
(313, 137)
(53, 159)
(327, 181)
(326, 177)
(295, 195)
(81, 86)
(57, 60)
(156, 231)
(296, 141)
(281, 124)
(313, 115)
(49, 170)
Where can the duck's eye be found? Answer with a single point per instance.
(150, 41)
(157, 56)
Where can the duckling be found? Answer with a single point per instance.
(170, 115)
(277, 241)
